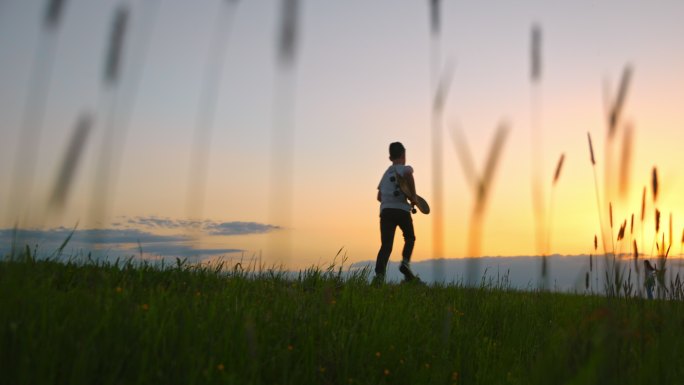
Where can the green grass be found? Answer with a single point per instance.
(85, 323)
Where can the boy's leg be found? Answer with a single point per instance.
(388, 226)
(406, 226)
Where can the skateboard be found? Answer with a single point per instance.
(421, 203)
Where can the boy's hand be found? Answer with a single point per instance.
(413, 200)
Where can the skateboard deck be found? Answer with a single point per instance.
(421, 203)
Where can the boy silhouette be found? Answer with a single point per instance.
(396, 211)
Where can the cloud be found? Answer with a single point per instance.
(162, 223)
(239, 228)
(209, 227)
(92, 236)
(128, 235)
(186, 250)
(107, 242)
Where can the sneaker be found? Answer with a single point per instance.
(378, 280)
(406, 270)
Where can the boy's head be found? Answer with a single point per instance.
(396, 151)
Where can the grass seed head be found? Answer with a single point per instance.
(631, 225)
(71, 161)
(643, 205)
(626, 160)
(536, 56)
(287, 39)
(654, 184)
(53, 14)
(621, 232)
(591, 150)
(610, 212)
(657, 220)
(116, 41)
(559, 167)
(619, 101)
(596, 242)
(636, 249)
(434, 17)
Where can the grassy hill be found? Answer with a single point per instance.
(125, 323)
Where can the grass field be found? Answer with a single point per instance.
(125, 323)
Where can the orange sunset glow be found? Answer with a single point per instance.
(287, 144)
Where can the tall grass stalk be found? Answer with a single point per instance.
(670, 233)
(635, 254)
(438, 92)
(654, 244)
(549, 230)
(654, 192)
(439, 100)
(536, 140)
(610, 216)
(598, 198)
(482, 186)
(206, 111)
(643, 217)
(283, 129)
(614, 119)
(33, 114)
(111, 79)
(140, 29)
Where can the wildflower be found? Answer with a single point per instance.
(377, 354)
(290, 347)
(321, 369)
(119, 289)
(387, 372)
(145, 307)
(454, 376)
(220, 367)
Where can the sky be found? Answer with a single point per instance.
(361, 77)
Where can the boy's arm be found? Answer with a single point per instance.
(408, 175)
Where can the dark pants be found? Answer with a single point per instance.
(389, 220)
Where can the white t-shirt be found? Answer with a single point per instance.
(389, 185)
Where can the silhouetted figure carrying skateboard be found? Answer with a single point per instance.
(396, 186)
